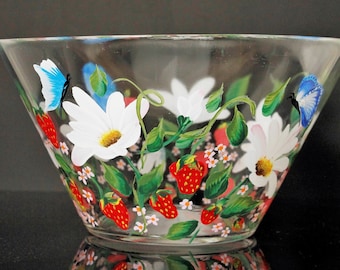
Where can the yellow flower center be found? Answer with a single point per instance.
(264, 166)
(110, 137)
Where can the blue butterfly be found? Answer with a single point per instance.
(307, 98)
(54, 84)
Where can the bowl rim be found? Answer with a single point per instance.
(201, 37)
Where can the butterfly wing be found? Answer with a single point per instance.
(308, 97)
(52, 81)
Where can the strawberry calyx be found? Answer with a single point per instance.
(186, 160)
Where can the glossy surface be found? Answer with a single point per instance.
(165, 153)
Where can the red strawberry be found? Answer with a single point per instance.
(76, 193)
(208, 215)
(220, 135)
(238, 224)
(47, 126)
(164, 205)
(114, 258)
(188, 176)
(117, 211)
(121, 266)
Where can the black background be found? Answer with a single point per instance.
(300, 231)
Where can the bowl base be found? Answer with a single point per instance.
(201, 245)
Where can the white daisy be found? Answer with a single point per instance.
(190, 103)
(103, 134)
(266, 154)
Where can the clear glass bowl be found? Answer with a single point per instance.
(173, 141)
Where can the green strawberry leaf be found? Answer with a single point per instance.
(237, 130)
(116, 180)
(242, 99)
(184, 142)
(217, 183)
(238, 206)
(181, 229)
(98, 82)
(214, 100)
(149, 183)
(274, 98)
(63, 163)
(238, 88)
(154, 140)
(187, 138)
(169, 127)
(178, 263)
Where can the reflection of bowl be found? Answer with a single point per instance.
(95, 253)
(167, 140)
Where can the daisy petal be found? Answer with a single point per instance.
(80, 155)
(272, 184)
(281, 164)
(258, 180)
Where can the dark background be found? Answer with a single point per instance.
(300, 231)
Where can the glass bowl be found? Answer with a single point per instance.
(173, 141)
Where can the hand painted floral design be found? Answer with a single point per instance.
(267, 150)
(190, 103)
(209, 171)
(103, 134)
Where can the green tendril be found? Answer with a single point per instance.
(144, 94)
(229, 104)
(134, 168)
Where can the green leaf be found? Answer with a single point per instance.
(25, 99)
(149, 183)
(274, 98)
(238, 206)
(181, 229)
(184, 142)
(98, 82)
(183, 122)
(63, 163)
(243, 99)
(178, 263)
(217, 183)
(238, 88)
(187, 138)
(154, 140)
(237, 130)
(214, 101)
(116, 180)
(169, 127)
